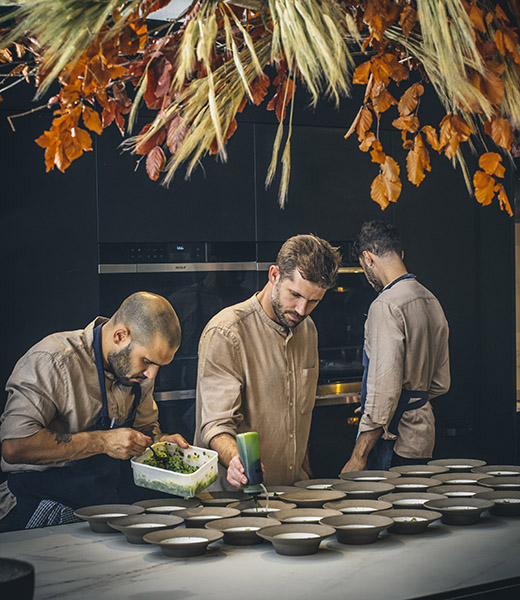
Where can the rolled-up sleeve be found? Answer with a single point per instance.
(385, 347)
(219, 385)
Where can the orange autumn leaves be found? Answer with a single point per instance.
(453, 130)
(485, 183)
(93, 78)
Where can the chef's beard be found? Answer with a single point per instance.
(280, 313)
(120, 365)
(376, 283)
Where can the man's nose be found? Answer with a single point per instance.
(302, 308)
(151, 371)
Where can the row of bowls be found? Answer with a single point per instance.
(302, 515)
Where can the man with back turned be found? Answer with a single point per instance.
(405, 357)
(258, 366)
(80, 404)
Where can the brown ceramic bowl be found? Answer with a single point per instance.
(304, 515)
(410, 520)
(242, 531)
(317, 484)
(458, 464)
(370, 490)
(410, 499)
(305, 498)
(358, 529)
(99, 515)
(296, 538)
(181, 543)
(460, 511)
(166, 506)
(370, 475)
(134, 527)
(507, 504)
(200, 515)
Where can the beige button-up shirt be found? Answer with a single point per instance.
(55, 386)
(406, 341)
(256, 375)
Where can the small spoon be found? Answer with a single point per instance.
(158, 457)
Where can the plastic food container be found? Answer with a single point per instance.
(178, 484)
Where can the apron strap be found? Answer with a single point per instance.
(103, 421)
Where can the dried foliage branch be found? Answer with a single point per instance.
(199, 73)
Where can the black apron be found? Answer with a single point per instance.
(85, 482)
(380, 457)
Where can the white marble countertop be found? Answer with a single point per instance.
(72, 562)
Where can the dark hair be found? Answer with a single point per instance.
(378, 237)
(315, 259)
(146, 315)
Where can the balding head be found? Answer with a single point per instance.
(147, 315)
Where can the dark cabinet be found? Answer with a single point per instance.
(215, 204)
(329, 190)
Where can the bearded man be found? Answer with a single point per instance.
(80, 404)
(258, 366)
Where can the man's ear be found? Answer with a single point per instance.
(274, 274)
(121, 336)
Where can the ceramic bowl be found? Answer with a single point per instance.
(200, 515)
(419, 470)
(458, 464)
(305, 498)
(99, 515)
(499, 470)
(222, 498)
(415, 484)
(357, 507)
(364, 489)
(277, 492)
(182, 542)
(507, 504)
(248, 509)
(358, 529)
(410, 520)
(459, 491)
(296, 538)
(511, 484)
(304, 515)
(317, 484)
(410, 499)
(242, 531)
(370, 475)
(460, 511)
(454, 478)
(134, 527)
(16, 579)
(167, 505)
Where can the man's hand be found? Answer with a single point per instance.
(355, 464)
(175, 438)
(235, 473)
(123, 443)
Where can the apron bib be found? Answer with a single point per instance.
(86, 482)
(380, 457)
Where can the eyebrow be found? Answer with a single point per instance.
(152, 362)
(302, 296)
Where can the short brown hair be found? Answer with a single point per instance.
(315, 259)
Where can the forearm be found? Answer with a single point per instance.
(226, 446)
(364, 444)
(48, 447)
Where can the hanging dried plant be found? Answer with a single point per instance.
(199, 74)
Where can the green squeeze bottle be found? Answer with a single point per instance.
(249, 453)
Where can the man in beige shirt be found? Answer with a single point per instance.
(80, 404)
(258, 366)
(406, 358)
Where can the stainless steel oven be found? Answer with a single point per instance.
(199, 279)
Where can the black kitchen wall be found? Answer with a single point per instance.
(51, 225)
